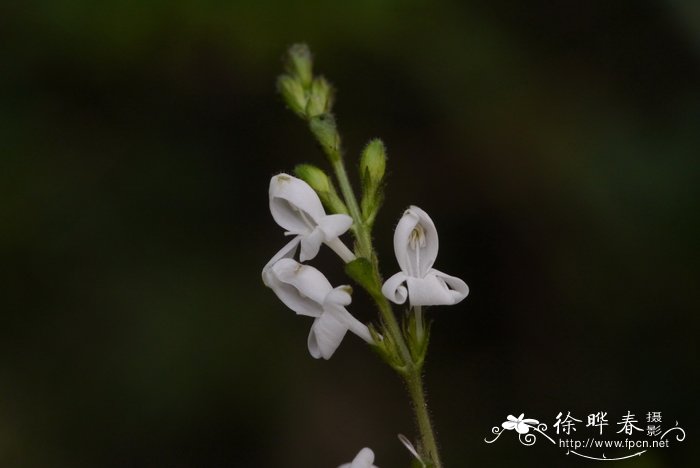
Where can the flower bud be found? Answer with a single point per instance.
(324, 129)
(293, 93)
(299, 64)
(373, 163)
(320, 98)
(322, 184)
(372, 168)
(315, 177)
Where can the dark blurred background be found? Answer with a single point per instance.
(555, 145)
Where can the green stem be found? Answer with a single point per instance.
(364, 244)
(411, 370)
(412, 375)
(428, 448)
(364, 241)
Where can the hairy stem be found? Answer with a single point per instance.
(325, 131)
(412, 374)
(428, 448)
(364, 241)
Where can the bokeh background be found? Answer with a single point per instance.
(555, 144)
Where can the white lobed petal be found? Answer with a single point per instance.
(310, 245)
(429, 291)
(364, 459)
(415, 262)
(285, 252)
(339, 296)
(309, 281)
(330, 328)
(436, 288)
(334, 225)
(294, 205)
(335, 303)
(394, 289)
(458, 289)
(326, 334)
(302, 288)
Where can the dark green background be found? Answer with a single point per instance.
(555, 145)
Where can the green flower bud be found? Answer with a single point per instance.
(315, 177)
(373, 163)
(320, 98)
(372, 168)
(324, 129)
(293, 93)
(299, 64)
(323, 186)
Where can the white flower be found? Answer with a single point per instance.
(416, 247)
(364, 459)
(306, 291)
(522, 426)
(296, 207)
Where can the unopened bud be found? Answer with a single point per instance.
(320, 97)
(315, 177)
(373, 163)
(323, 186)
(324, 129)
(372, 168)
(293, 93)
(299, 64)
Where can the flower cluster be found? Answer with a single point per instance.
(304, 289)
(296, 207)
(299, 204)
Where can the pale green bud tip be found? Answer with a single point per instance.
(299, 63)
(321, 97)
(315, 177)
(293, 93)
(323, 127)
(373, 161)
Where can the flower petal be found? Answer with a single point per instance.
(351, 323)
(285, 252)
(428, 291)
(326, 334)
(294, 204)
(339, 296)
(364, 459)
(531, 422)
(310, 245)
(335, 303)
(458, 289)
(394, 290)
(415, 242)
(334, 225)
(302, 288)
